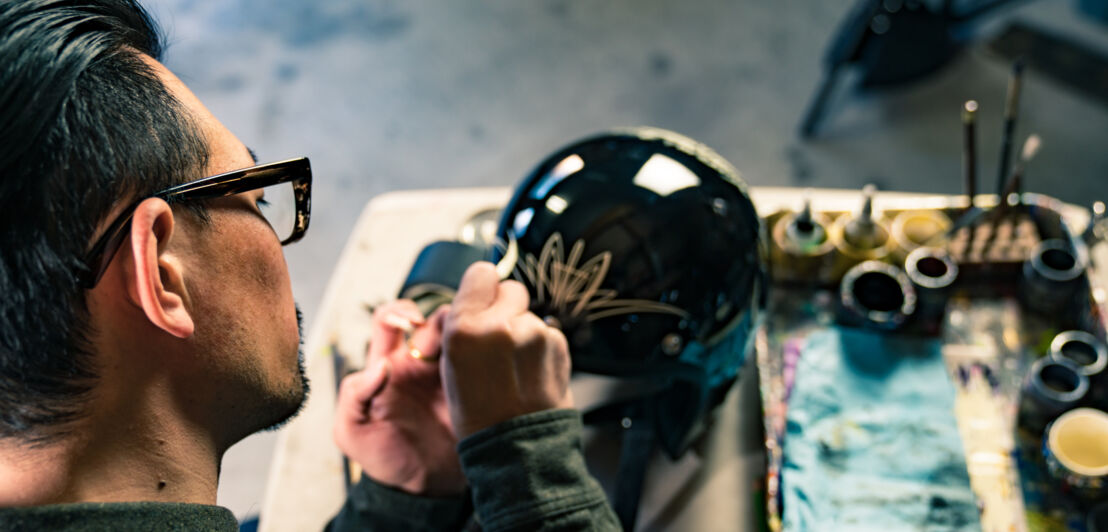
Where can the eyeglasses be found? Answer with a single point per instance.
(285, 203)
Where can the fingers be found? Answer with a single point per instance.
(563, 366)
(400, 308)
(427, 340)
(549, 372)
(358, 389)
(512, 299)
(555, 361)
(478, 289)
(391, 322)
(482, 290)
(496, 366)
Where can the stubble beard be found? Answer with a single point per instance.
(289, 407)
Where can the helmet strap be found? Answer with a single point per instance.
(637, 419)
(636, 448)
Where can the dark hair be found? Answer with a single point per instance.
(84, 125)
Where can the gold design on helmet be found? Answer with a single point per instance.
(571, 290)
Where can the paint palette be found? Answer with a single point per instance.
(891, 401)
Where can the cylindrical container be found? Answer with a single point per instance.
(914, 229)
(802, 248)
(932, 272)
(1052, 387)
(1075, 447)
(1051, 279)
(1081, 348)
(878, 295)
(858, 240)
(1089, 354)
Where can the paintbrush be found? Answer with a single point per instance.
(1011, 114)
(1011, 197)
(969, 172)
(969, 150)
(1031, 147)
(504, 269)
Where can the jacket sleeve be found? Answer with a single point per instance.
(376, 507)
(529, 473)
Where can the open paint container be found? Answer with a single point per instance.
(878, 295)
(1052, 387)
(1076, 450)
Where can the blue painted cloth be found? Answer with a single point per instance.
(871, 441)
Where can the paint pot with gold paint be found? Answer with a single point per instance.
(914, 229)
(877, 295)
(1075, 447)
(860, 237)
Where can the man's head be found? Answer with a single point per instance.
(195, 307)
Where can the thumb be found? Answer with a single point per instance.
(477, 290)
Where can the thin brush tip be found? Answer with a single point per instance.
(1031, 147)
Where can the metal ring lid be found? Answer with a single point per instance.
(1055, 260)
(1080, 383)
(926, 278)
(1095, 347)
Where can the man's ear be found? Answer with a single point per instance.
(156, 282)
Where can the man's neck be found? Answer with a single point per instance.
(113, 462)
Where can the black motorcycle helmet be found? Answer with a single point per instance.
(644, 246)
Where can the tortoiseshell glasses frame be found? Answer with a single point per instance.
(295, 171)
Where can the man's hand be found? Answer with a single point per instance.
(392, 417)
(499, 360)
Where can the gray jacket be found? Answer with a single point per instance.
(527, 473)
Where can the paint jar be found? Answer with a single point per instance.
(1051, 281)
(877, 295)
(802, 248)
(1075, 447)
(1052, 387)
(932, 272)
(914, 229)
(1089, 354)
(860, 236)
(858, 239)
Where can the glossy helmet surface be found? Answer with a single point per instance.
(646, 248)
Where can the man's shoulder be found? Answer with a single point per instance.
(119, 516)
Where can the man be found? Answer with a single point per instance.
(147, 321)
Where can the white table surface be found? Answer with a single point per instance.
(305, 484)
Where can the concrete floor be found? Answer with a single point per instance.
(386, 95)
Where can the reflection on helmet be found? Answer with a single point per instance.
(646, 248)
